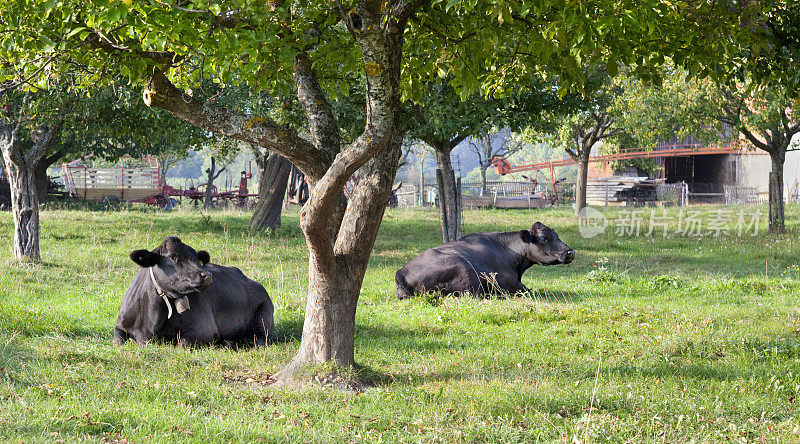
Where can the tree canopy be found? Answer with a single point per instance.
(314, 51)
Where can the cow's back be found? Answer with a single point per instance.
(453, 267)
(234, 298)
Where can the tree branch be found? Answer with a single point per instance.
(48, 138)
(261, 131)
(754, 140)
(321, 121)
(403, 9)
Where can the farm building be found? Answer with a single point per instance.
(729, 174)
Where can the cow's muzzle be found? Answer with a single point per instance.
(568, 257)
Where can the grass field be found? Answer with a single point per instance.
(641, 339)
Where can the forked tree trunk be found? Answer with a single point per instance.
(274, 176)
(776, 209)
(339, 234)
(210, 182)
(334, 285)
(448, 197)
(593, 129)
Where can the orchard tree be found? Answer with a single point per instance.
(25, 141)
(43, 125)
(307, 48)
(445, 119)
(442, 121)
(580, 131)
(762, 101)
(763, 114)
(768, 119)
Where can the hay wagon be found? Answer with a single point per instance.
(139, 184)
(112, 184)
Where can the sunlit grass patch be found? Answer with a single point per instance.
(639, 339)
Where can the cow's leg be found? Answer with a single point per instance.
(518, 287)
(263, 324)
(203, 333)
(120, 336)
(513, 285)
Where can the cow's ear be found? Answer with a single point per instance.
(526, 236)
(538, 229)
(203, 257)
(145, 258)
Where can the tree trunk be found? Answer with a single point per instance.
(42, 180)
(776, 213)
(334, 285)
(483, 180)
(580, 185)
(422, 181)
(25, 208)
(21, 167)
(330, 317)
(274, 176)
(448, 200)
(210, 183)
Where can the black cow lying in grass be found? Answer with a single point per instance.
(211, 303)
(482, 263)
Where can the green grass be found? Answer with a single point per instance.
(642, 340)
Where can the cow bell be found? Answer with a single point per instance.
(182, 304)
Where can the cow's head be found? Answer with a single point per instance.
(543, 246)
(177, 268)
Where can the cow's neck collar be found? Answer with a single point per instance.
(161, 292)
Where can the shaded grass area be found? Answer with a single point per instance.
(640, 339)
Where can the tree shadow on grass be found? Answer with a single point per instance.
(287, 330)
(385, 338)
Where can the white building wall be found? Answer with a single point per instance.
(753, 169)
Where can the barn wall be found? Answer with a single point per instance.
(753, 169)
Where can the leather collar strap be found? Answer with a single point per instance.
(161, 293)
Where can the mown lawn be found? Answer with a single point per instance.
(641, 339)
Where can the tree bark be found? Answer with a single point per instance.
(448, 199)
(25, 208)
(21, 167)
(483, 180)
(274, 176)
(776, 208)
(580, 184)
(42, 180)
